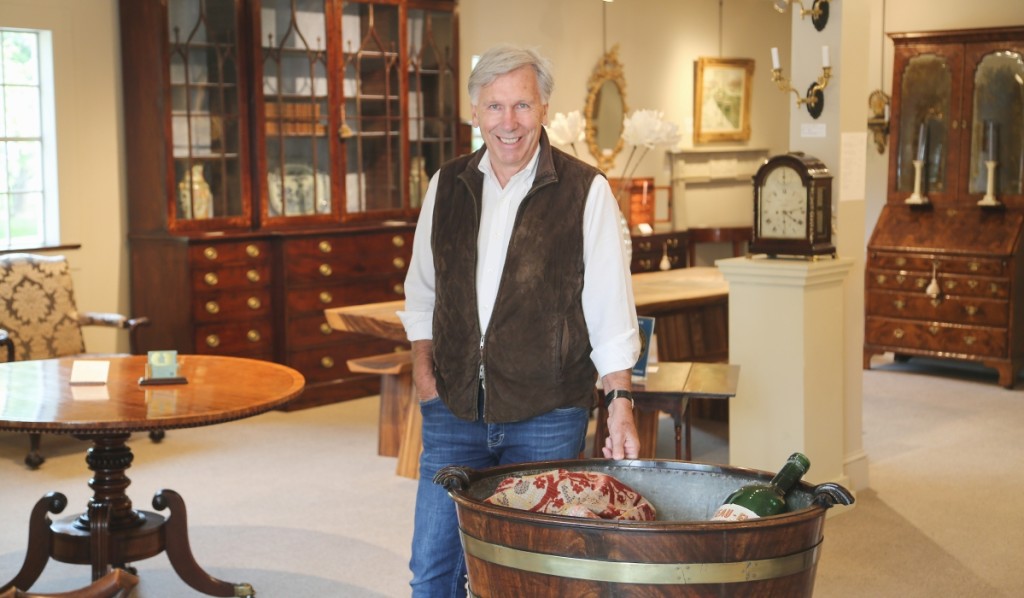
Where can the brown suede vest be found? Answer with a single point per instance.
(536, 353)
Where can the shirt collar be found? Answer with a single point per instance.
(526, 175)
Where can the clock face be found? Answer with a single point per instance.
(783, 213)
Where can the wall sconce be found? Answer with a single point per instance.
(818, 11)
(878, 122)
(815, 98)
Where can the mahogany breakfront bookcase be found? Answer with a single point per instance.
(276, 155)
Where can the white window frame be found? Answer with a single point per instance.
(50, 225)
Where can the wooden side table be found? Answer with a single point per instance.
(669, 388)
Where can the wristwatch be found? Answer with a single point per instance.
(618, 394)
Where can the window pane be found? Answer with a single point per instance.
(22, 111)
(21, 58)
(26, 219)
(25, 166)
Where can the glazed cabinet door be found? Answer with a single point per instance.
(400, 110)
(298, 151)
(207, 119)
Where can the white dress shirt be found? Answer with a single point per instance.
(608, 305)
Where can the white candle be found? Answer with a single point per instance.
(993, 136)
(922, 141)
(824, 57)
(886, 111)
(775, 59)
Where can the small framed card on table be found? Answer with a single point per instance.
(162, 368)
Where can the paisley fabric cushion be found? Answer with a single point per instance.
(37, 306)
(575, 493)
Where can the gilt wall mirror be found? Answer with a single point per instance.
(606, 109)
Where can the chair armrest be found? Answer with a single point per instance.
(93, 318)
(5, 341)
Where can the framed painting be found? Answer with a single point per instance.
(721, 99)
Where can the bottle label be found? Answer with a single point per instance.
(730, 512)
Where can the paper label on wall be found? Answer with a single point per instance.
(813, 130)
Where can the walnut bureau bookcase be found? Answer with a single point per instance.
(277, 152)
(945, 270)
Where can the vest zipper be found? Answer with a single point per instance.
(482, 383)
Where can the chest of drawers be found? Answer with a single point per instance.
(944, 283)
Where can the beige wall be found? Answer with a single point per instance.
(659, 40)
(90, 178)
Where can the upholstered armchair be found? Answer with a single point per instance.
(39, 318)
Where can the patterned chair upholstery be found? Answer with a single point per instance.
(40, 319)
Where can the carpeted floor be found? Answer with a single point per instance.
(300, 505)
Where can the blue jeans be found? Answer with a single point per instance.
(438, 563)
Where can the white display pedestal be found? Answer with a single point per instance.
(786, 334)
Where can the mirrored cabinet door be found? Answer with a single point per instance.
(207, 115)
(996, 138)
(928, 117)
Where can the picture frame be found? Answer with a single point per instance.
(721, 99)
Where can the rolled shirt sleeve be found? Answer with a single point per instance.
(418, 315)
(608, 303)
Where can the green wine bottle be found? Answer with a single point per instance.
(760, 499)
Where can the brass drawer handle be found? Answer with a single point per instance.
(972, 283)
(252, 251)
(326, 297)
(645, 264)
(325, 270)
(922, 283)
(211, 279)
(210, 253)
(253, 303)
(399, 289)
(644, 245)
(901, 261)
(973, 266)
(398, 241)
(950, 285)
(880, 278)
(325, 328)
(398, 263)
(326, 362)
(969, 339)
(994, 288)
(900, 278)
(899, 304)
(933, 329)
(325, 247)
(898, 333)
(212, 341)
(672, 243)
(212, 307)
(971, 309)
(253, 275)
(253, 336)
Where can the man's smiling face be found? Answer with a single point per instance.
(510, 114)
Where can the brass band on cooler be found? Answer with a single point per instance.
(640, 573)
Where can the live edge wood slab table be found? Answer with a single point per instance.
(691, 306)
(36, 396)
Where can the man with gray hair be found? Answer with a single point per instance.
(518, 297)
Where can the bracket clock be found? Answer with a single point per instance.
(793, 207)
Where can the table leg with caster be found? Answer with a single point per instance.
(179, 552)
(38, 551)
